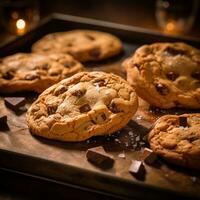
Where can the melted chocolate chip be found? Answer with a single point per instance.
(103, 116)
(90, 37)
(51, 109)
(95, 53)
(174, 52)
(172, 76)
(61, 90)
(8, 75)
(162, 89)
(113, 108)
(54, 73)
(136, 65)
(78, 93)
(196, 75)
(183, 121)
(85, 108)
(31, 77)
(100, 83)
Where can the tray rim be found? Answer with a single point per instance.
(105, 24)
(102, 23)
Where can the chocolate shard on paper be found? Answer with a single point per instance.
(99, 157)
(137, 168)
(15, 103)
(183, 121)
(148, 156)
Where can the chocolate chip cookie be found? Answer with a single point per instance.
(83, 45)
(166, 75)
(35, 72)
(177, 139)
(84, 105)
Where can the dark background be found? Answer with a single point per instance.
(139, 13)
(132, 12)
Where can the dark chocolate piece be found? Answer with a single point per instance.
(114, 108)
(85, 108)
(15, 103)
(137, 168)
(78, 93)
(61, 90)
(183, 121)
(3, 120)
(100, 83)
(51, 109)
(8, 75)
(99, 157)
(174, 52)
(147, 126)
(172, 76)
(69, 64)
(31, 77)
(95, 53)
(196, 75)
(148, 156)
(162, 89)
(89, 37)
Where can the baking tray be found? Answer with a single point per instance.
(64, 162)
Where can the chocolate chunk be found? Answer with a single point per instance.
(136, 65)
(100, 83)
(51, 109)
(78, 93)
(3, 120)
(69, 64)
(95, 53)
(148, 156)
(85, 108)
(145, 125)
(8, 75)
(103, 116)
(99, 157)
(61, 90)
(113, 108)
(172, 76)
(174, 52)
(196, 75)
(162, 89)
(31, 77)
(183, 121)
(89, 37)
(45, 66)
(54, 73)
(137, 168)
(15, 103)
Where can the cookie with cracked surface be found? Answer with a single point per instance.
(177, 139)
(84, 105)
(35, 72)
(166, 75)
(83, 45)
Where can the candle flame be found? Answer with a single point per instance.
(20, 24)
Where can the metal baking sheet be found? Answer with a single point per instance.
(65, 162)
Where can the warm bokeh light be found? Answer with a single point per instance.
(20, 24)
(170, 26)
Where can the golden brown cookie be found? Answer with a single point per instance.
(84, 105)
(35, 72)
(83, 45)
(166, 75)
(177, 139)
